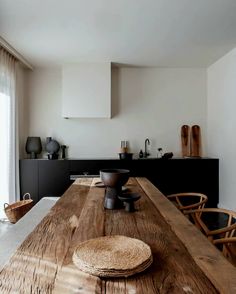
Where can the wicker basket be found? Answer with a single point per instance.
(18, 209)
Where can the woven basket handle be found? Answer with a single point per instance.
(5, 205)
(26, 194)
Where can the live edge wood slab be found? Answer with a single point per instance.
(184, 260)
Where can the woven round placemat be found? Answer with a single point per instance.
(113, 256)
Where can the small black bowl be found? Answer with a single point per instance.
(126, 156)
(129, 199)
(114, 177)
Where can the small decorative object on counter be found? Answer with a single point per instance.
(168, 155)
(48, 139)
(185, 140)
(195, 141)
(141, 154)
(146, 153)
(63, 151)
(159, 152)
(33, 146)
(124, 151)
(129, 199)
(126, 156)
(52, 147)
(124, 148)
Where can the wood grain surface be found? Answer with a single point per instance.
(185, 140)
(212, 262)
(195, 141)
(184, 261)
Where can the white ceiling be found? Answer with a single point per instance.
(166, 33)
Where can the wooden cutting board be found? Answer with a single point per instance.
(195, 141)
(185, 140)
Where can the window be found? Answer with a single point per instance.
(4, 150)
(8, 135)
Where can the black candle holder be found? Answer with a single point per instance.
(129, 199)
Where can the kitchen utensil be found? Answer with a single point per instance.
(185, 140)
(195, 141)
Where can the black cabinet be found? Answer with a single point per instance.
(44, 177)
(188, 175)
(52, 177)
(29, 178)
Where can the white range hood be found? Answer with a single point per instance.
(86, 90)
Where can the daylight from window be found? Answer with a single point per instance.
(4, 152)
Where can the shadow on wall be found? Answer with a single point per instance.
(115, 95)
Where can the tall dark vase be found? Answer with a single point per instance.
(33, 146)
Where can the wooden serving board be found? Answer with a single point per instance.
(196, 148)
(183, 259)
(185, 140)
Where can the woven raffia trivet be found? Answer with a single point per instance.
(113, 256)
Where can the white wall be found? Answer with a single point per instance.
(222, 124)
(146, 102)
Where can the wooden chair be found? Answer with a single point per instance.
(188, 201)
(219, 225)
(228, 248)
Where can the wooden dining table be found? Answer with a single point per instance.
(184, 261)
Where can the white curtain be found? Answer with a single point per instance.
(9, 190)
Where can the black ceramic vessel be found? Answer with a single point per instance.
(126, 156)
(129, 199)
(33, 146)
(113, 179)
(52, 147)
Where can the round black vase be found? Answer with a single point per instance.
(52, 147)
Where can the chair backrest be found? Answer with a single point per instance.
(188, 201)
(219, 225)
(228, 249)
(227, 229)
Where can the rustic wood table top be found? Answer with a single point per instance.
(184, 260)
